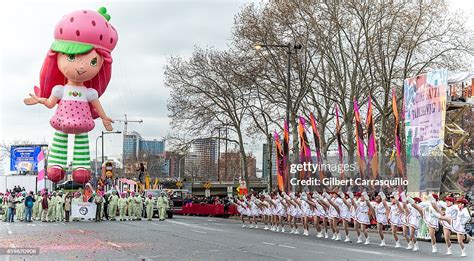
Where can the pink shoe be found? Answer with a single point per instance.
(81, 175)
(56, 173)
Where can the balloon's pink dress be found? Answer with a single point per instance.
(73, 114)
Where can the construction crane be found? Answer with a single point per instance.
(125, 121)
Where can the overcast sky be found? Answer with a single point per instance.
(149, 33)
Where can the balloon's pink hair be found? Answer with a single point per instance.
(51, 76)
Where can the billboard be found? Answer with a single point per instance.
(24, 158)
(425, 114)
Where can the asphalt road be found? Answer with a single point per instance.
(193, 238)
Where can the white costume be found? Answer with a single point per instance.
(414, 217)
(395, 215)
(452, 213)
(459, 223)
(380, 213)
(343, 209)
(362, 213)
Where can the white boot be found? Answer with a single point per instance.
(367, 241)
(449, 252)
(348, 239)
(255, 226)
(463, 252)
(415, 247)
(410, 246)
(338, 237)
(243, 225)
(266, 227)
(277, 229)
(333, 236)
(359, 239)
(319, 235)
(296, 232)
(283, 230)
(326, 235)
(434, 249)
(292, 231)
(382, 243)
(397, 244)
(305, 232)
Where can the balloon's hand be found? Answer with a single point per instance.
(33, 99)
(107, 123)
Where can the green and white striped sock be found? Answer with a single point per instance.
(58, 151)
(81, 155)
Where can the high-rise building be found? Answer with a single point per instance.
(201, 160)
(136, 148)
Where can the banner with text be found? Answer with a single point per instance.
(425, 113)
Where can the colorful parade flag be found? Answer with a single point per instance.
(359, 140)
(317, 144)
(40, 180)
(397, 135)
(286, 157)
(280, 166)
(339, 142)
(305, 151)
(372, 156)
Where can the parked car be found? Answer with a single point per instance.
(69, 185)
(155, 194)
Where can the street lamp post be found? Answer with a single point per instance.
(289, 47)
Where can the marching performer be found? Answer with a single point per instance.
(458, 223)
(451, 210)
(305, 211)
(414, 213)
(344, 206)
(381, 209)
(131, 205)
(149, 206)
(318, 213)
(362, 207)
(122, 205)
(280, 212)
(431, 219)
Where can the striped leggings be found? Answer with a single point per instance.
(58, 152)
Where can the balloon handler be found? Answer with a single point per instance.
(162, 205)
(75, 73)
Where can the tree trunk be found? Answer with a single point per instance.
(243, 158)
(269, 160)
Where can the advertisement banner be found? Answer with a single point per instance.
(84, 210)
(425, 113)
(24, 158)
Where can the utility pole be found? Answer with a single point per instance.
(125, 128)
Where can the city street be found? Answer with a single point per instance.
(193, 238)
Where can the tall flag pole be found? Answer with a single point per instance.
(305, 151)
(40, 181)
(286, 157)
(280, 163)
(397, 135)
(339, 142)
(317, 144)
(372, 144)
(359, 140)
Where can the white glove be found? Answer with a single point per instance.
(431, 198)
(411, 200)
(382, 195)
(341, 194)
(351, 194)
(364, 194)
(395, 194)
(304, 196)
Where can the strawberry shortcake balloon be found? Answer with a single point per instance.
(75, 73)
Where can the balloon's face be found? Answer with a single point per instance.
(80, 67)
